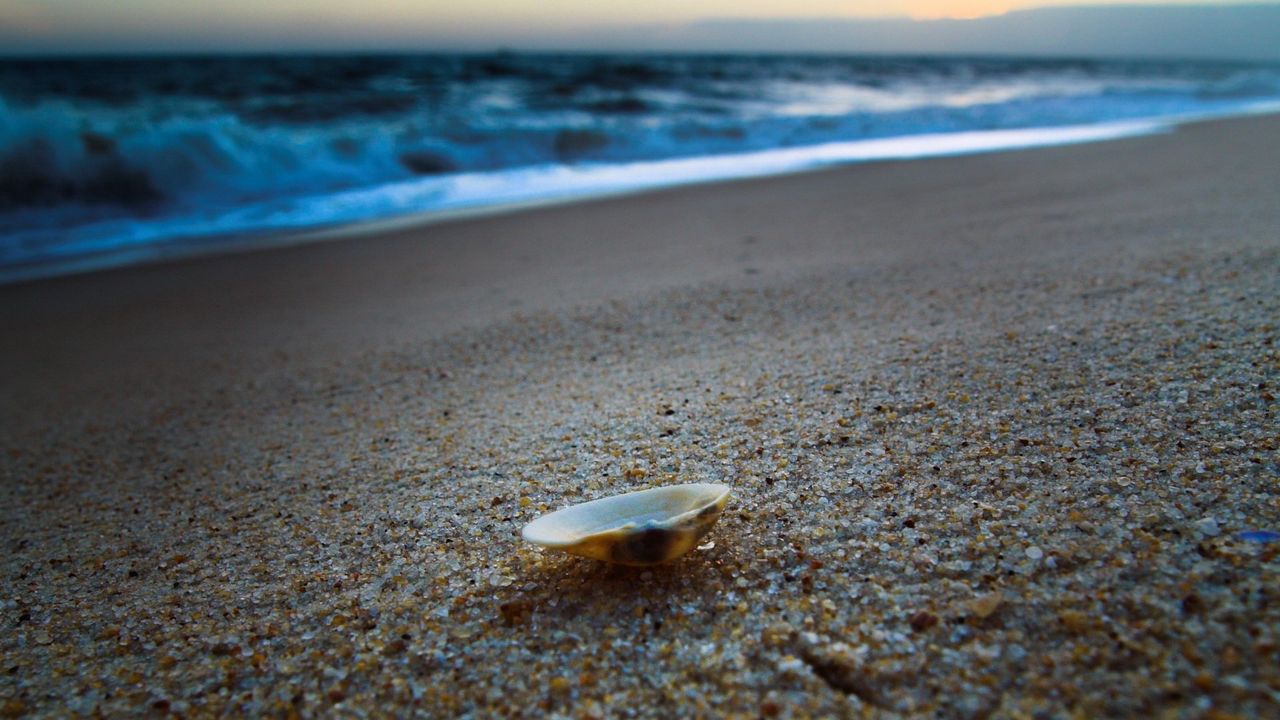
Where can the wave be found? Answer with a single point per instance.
(102, 155)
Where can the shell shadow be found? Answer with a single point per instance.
(562, 591)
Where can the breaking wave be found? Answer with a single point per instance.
(96, 155)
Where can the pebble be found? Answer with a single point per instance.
(790, 664)
(984, 606)
(922, 620)
(1208, 527)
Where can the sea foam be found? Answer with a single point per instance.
(130, 158)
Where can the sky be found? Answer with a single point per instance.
(60, 26)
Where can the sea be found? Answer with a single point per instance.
(114, 160)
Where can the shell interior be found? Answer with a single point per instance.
(638, 528)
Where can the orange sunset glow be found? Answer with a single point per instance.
(957, 9)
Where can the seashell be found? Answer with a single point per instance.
(646, 527)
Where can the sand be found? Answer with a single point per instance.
(1002, 431)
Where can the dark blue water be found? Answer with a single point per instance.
(103, 155)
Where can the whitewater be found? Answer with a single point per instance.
(112, 160)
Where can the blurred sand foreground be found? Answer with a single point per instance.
(995, 426)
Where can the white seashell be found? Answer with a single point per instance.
(636, 528)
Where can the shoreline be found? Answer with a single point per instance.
(342, 296)
(682, 173)
(1001, 430)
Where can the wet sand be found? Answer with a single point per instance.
(1002, 431)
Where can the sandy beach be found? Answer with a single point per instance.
(1002, 432)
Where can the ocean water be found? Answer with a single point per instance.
(112, 160)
